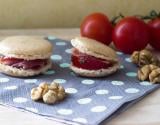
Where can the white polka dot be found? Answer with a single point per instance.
(115, 97)
(64, 65)
(98, 109)
(71, 90)
(32, 109)
(4, 80)
(65, 111)
(30, 80)
(88, 82)
(80, 120)
(56, 57)
(145, 83)
(119, 53)
(60, 81)
(128, 60)
(10, 88)
(131, 74)
(121, 67)
(132, 90)
(49, 72)
(118, 83)
(20, 100)
(68, 51)
(101, 92)
(84, 101)
(51, 37)
(60, 43)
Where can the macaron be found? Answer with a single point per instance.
(91, 58)
(24, 56)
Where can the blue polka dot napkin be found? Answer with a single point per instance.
(90, 100)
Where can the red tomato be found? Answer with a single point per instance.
(155, 33)
(97, 26)
(130, 34)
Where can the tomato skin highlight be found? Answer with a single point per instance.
(97, 26)
(154, 26)
(130, 34)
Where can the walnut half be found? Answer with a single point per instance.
(144, 57)
(149, 72)
(49, 93)
(154, 76)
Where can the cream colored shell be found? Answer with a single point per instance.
(26, 47)
(94, 48)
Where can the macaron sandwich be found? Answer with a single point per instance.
(91, 58)
(24, 56)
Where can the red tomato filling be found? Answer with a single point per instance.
(84, 61)
(24, 64)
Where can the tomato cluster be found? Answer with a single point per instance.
(128, 35)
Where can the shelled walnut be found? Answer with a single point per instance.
(150, 72)
(36, 94)
(44, 86)
(50, 97)
(154, 76)
(50, 94)
(59, 90)
(144, 57)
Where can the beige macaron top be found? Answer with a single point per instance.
(94, 48)
(26, 47)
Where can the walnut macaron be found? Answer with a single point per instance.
(91, 58)
(24, 56)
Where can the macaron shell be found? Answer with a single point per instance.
(25, 47)
(91, 46)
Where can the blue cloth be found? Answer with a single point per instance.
(90, 100)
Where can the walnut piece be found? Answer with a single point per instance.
(59, 90)
(154, 76)
(143, 73)
(44, 87)
(53, 86)
(49, 93)
(144, 57)
(50, 97)
(36, 94)
(150, 72)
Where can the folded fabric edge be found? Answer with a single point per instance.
(127, 105)
(65, 121)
